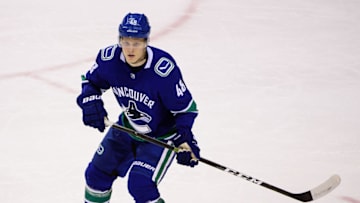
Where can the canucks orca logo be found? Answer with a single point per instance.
(133, 114)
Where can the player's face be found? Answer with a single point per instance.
(134, 50)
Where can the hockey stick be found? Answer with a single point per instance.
(307, 196)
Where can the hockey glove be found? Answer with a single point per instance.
(93, 111)
(189, 153)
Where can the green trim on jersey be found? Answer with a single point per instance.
(191, 108)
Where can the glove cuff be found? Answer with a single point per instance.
(182, 136)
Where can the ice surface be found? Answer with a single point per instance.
(277, 84)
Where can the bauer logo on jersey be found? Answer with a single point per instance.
(164, 67)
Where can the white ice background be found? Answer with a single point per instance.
(277, 83)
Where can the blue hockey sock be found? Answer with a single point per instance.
(96, 196)
(98, 185)
(97, 179)
(142, 188)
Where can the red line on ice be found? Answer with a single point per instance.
(34, 74)
(349, 199)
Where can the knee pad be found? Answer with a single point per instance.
(142, 188)
(97, 179)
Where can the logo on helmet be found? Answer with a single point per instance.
(132, 21)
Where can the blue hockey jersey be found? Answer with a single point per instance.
(155, 99)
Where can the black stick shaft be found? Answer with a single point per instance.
(304, 197)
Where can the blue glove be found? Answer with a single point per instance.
(184, 156)
(93, 111)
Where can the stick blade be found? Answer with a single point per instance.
(319, 191)
(326, 187)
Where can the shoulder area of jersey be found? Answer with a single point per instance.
(164, 63)
(108, 53)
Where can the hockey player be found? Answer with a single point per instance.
(149, 86)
